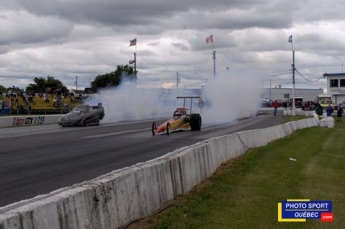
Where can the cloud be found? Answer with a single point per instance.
(22, 28)
(85, 38)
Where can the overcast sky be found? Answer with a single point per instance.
(84, 38)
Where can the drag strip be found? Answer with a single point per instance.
(40, 159)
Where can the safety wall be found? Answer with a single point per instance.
(118, 198)
(28, 120)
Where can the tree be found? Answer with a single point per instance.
(113, 78)
(50, 85)
(2, 88)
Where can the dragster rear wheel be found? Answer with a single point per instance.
(195, 121)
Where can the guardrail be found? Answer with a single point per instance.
(122, 196)
(28, 120)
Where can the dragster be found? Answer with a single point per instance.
(183, 118)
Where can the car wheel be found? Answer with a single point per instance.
(97, 121)
(195, 121)
(168, 128)
(154, 127)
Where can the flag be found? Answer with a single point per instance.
(209, 39)
(290, 39)
(133, 42)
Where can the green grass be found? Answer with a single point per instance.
(295, 118)
(244, 192)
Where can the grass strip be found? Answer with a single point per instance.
(244, 192)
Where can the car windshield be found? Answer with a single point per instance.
(81, 109)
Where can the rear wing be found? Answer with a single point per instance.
(99, 105)
(191, 101)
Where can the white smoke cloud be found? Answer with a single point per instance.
(227, 99)
(130, 103)
(230, 98)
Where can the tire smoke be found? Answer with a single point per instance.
(226, 99)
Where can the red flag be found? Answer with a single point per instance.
(209, 39)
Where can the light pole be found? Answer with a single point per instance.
(270, 91)
(177, 79)
(76, 82)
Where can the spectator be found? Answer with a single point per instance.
(329, 110)
(17, 105)
(285, 105)
(275, 105)
(339, 113)
(318, 109)
(54, 101)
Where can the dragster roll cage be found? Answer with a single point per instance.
(188, 97)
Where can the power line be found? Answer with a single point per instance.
(279, 73)
(284, 74)
(306, 78)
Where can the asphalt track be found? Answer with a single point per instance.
(39, 159)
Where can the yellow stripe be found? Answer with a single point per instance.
(280, 216)
(298, 200)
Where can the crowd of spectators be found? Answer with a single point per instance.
(305, 105)
(22, 102)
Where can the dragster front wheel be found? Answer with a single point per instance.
(154, 129)
(168, 128)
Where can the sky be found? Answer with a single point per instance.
(76, 40)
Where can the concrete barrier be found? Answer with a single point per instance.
(298, 111)
(28, 120)
(327, 122)
(117, 198)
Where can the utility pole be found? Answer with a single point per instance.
(270, 91)
(76, 82)
(177, 79)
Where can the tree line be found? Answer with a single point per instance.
(51, 85)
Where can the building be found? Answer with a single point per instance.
(285, 94)
(336, 86)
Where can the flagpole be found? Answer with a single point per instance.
(214, 60)
(293, 80)
(293, 77)
(210, 39)
(135, 61)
